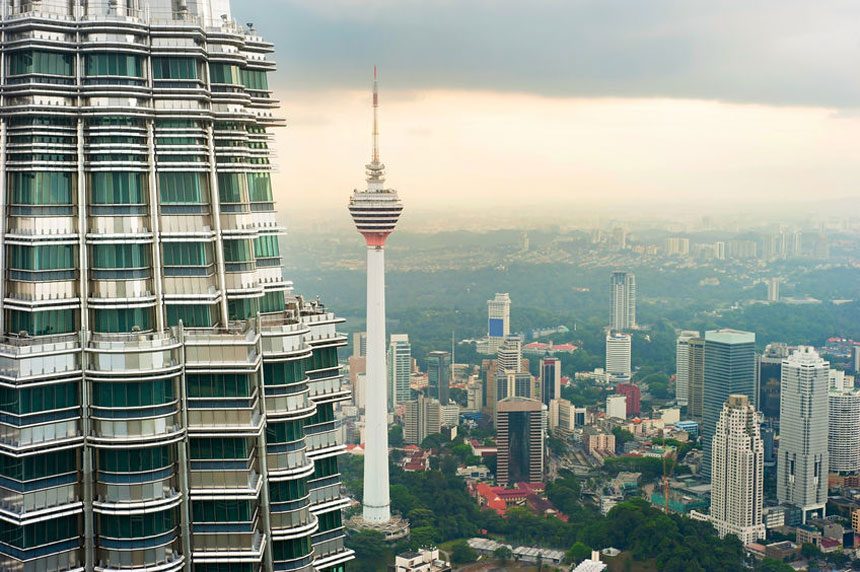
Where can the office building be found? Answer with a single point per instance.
(562, 416)
(737, 477)
(520, 441)
(696, 379)
(844, 431)
(773, 289)
(682, 365)
(509, 357)
(677, 246)
(550, 377)
(633, 395)
(616, 406)
(803, 463)
(399, 363)
(149, 335)
(618, 348)
(449, 415)
(498, 324)
(622, 301)
(729, 369)
(770, 380)
(856, 358)
(421, 417)
(375, 212)
(359, 344)
(439, 375)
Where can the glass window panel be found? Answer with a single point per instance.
(115, 256)
(108, 64)
(192, 315)
(48, 188)
(182, 188)
(44, 323)
(118, 188)
(174, 68)
(41, 62)
(52, 257)
(122, 320)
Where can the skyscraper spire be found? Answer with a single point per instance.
(375, 169)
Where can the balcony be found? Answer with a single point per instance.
(125, 353)
(164, 426)
(244, 482)
(229, 544)
(187, 286)
(234, 346)
(245, 420)
(293, 406)
(22, 358)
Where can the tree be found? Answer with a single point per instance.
(462, 553)
(424, 536)
(577, 553)
(772, 565)
(810, 551)
(370, 551)
(395, 436)
(503, 553)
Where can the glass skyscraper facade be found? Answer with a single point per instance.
(166, 400)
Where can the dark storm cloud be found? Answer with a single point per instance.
(766, 51)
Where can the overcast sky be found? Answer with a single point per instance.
(668, 100)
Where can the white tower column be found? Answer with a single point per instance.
(376, 495)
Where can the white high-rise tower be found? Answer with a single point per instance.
(375, 212)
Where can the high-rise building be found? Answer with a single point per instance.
(729, 370)
(421, 417)
(856, 358)
(696, 379)
(622, 301)
(498, 323)
(618, 350)
(562, 416)
(399, 370)
(773, 289)
(359, 344)
(520, 441)
(375, 212)
(439, 375)
(682, 366)
(155, 362)
(844, 431)
(633, 395)
(509, 357)
(677, 246)
(616, 406)
(737, 477)
(769, 381)
(550, 377)
(803, 463)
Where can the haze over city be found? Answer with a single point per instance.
(579, 105)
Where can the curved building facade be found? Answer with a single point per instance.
(166, 400)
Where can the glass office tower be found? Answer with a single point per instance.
(166, 401)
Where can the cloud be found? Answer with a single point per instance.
(769, 51)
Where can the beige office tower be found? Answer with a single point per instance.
(167, 401)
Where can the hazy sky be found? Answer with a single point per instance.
(568, 102)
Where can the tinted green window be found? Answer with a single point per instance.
(44, 323)
(136, 526)
(283, 373)
(39, 62)
(259, 187)
(323, 358)
(115, 121)
(131, 394)
(50, 188)
(192, 315)
(291, 549)
(39, 466)
(113, 64)
(324, 414)
(36, 399)
(176, 123)
(285, 432)
(325, 467)
(135, 460)
(266, 247)
(243, 309)
(218, 385)
(122, 320)
(182, 188)
(222, 567)
(224, 73)
(255, 80)
(174, 68)
(330, 521)
(54, 257)
(219, 448)
(285, 491)
(116, 188)
(229, 188)
(221, 511)
(114, 256)
(272, 302)
(187, 254)
(39, 533)
(237, 251)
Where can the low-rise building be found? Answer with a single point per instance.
(424, 560)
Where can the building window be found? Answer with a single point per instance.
(184, 254)
(39, 533)
(224, 73)
(116, 188)
(53, 257)
(114, 256)
(133, 394)
(135, 460)
(286, 491)
(227, 510)
(255, 80)
(229, 188)
(125, 65)
(37, 399)
(272, 302)
(192, 315)
(136, 526)
(43, 323)
(218, 385)
(182, 188)
(122, 320)
(40, 62)
(35, 467)
(259, 187)
(49, 188)
(284, 373)
(286, 432)
(242, 309)
(174, 68)
(207, 448)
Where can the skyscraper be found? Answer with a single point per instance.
(696, 379)
(803, 463)
(633, 395)
(844, 431)
(399, 370)
(155, 382)
(618, 358)
(375, 212)
(498, 323)
(770, 380)
(729, 370)
(520, 440)
(737, 477)
(421, 417)
(682, 366)
(439, 375)
(616, 406)
(622, 301)
(550, 375)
